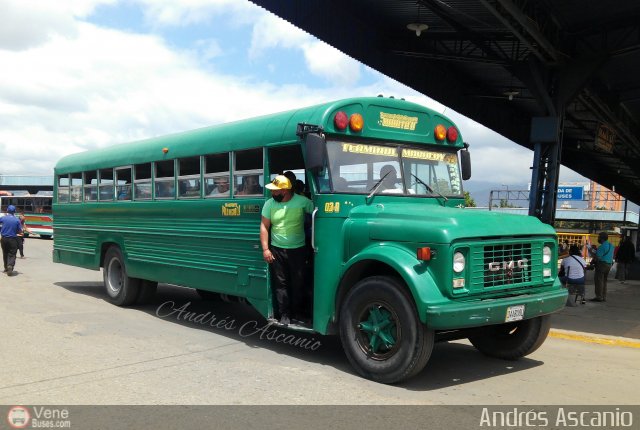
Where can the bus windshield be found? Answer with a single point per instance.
(359, 168)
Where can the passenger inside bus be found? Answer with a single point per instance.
(165, 189)
(250, 186)
(220, 188)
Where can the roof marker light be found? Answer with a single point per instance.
(452, 134)
(340, 121)
(440, 132)
(356, 122)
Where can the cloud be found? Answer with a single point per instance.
(271, 32)
(30, 23)
(188, 12)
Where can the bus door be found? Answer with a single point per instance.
(283, 159)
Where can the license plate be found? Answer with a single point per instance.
(515, 313)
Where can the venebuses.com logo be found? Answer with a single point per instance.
(18, 417)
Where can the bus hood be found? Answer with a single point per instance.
(407, 222)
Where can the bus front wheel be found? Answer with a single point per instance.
(121, 289)
(512, 341)
(381, 333)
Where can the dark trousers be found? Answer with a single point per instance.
(287, 272)
(9, 249)
(21, 245)
(600, 279)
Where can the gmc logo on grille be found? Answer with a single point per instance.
(507, 265)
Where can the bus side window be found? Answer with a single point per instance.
(90, 180)
(189, 177)
(248, 173)
(63, 189)
(123, 183)
(105, 185)
(165, 179)
(142, 181)
(216, 175)
(75, 191)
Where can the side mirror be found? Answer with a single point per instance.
(465, 161)
(314, 144)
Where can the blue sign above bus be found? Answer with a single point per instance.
(570, 193)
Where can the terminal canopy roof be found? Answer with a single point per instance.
(504, 62)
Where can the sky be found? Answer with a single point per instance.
(83, 74)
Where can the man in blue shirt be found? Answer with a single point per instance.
(10, 226)
(604, 260)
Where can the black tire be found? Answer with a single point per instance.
(121, 289)
(381, 333)
(512, 341)
(147, 292)
(209, 296)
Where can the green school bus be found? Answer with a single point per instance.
(395, 261)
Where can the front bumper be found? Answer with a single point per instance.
(455, 315)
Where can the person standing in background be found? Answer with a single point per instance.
(604, 259)
(625, 256)
(21, 236)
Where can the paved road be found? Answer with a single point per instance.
(63, 343)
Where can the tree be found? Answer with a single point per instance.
(504, 203)
(468, 200)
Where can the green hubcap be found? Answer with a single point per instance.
(379, 333)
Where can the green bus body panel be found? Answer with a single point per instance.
(196, 246)
(192, 243)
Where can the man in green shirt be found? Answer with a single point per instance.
(284, 215)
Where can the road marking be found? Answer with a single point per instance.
(611, 341)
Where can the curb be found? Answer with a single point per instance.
(624, 342)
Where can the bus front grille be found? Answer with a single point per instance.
(506, 265)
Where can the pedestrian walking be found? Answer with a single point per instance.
(10, 226)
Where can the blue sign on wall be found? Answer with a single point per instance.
(570, 193)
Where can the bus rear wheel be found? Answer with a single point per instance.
(512, 341)
(381, 333)
(121, 289)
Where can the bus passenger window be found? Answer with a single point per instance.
(91, 186)
(248, 174)
(105, 185)
(75, 191)
(63, 189)
(164, 181)
(216, 175)
(123, 181)
(142, 181)
(189, 177)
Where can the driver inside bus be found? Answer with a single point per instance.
(390, 180)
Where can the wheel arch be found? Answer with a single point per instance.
(393, 261)
(104, 247)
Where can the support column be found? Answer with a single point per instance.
(547, 140)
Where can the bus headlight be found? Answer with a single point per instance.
(546, 255)
(458, 262)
